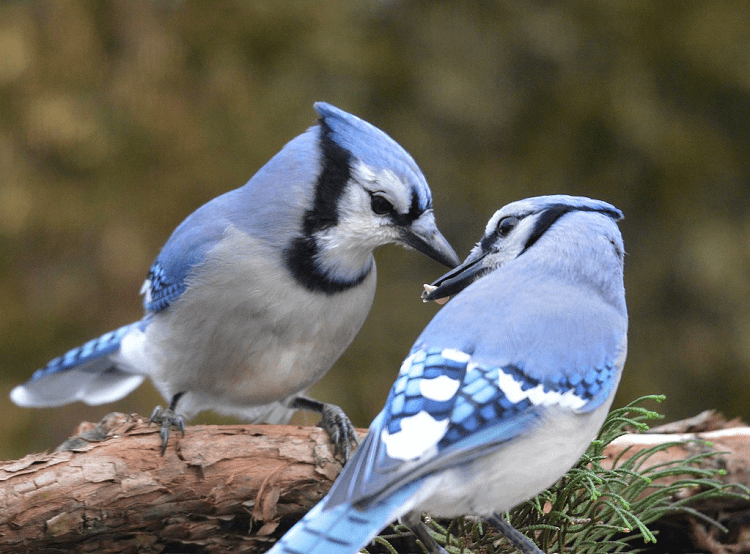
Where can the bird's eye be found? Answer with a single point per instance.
(506, 225)
(380, 205)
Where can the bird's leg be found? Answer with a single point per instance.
(517, 539)
(167, 419)
(413, 520)
(334, 421)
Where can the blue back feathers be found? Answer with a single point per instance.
(514, 342)
(186, 247)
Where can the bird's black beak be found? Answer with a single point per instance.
(423, 235)
(456, 279)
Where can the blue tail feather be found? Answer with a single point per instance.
(85, 373)
(342, 529)
(96, 348)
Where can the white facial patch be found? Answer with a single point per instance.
(492, 223)
(418, 434)
(386, 182)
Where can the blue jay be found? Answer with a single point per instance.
(504, 389)
(258, 292)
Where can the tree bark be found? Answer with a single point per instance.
(217, 488)
(226, 487)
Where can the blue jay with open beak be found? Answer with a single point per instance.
(258, 292)
(504, 389)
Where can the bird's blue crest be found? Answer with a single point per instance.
(373, 147)
(539, 203)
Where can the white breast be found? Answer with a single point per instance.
(516, 472)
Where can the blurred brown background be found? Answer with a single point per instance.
(119, 118)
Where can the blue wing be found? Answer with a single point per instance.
(266, 207)
(444, 409)
(186, 248)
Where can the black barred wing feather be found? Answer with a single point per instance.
(445, 409)
(159, 290)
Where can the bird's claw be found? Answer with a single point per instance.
(340, 429)
(516, 538)
(166, 419)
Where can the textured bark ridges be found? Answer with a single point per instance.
(110, 490)
(239, 487)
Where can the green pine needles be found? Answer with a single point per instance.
(594, 509)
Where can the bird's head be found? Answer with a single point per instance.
(545, 227)
(369, 192)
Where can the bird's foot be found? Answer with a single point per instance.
(167, 419)
(340, 428)
(517, 539)
(335, 422)
(414, 522)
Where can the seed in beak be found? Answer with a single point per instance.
(429, 288)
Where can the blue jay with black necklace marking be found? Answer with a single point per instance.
(258, 292)
(504, 389)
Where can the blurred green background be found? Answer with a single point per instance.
(119, 118)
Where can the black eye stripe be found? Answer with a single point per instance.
(415, 211)
(548, 217)
(545, 220)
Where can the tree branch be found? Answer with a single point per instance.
(218, 488)
(110, 490)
